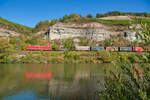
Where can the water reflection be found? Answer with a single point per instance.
(67, 82)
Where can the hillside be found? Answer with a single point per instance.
(11, 26)
(106, 19)
(119, 20)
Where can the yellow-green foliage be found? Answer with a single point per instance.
(71, 55)
(5, 47)
(69, 44)
(15, 27)
(104, 56)
(55, 46)
(115, 22)
(127, 82)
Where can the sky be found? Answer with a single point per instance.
(30, 12)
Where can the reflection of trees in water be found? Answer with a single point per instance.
(69, 81)
(83, 85)
(77, 90)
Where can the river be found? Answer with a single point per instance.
(51, 81)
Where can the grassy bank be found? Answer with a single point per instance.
(76, 57)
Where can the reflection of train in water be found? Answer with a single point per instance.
(88, 48)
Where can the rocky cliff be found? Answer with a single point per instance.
(94, 30)
(7, 33)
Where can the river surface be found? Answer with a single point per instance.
(51, 81)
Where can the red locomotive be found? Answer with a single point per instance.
(38, 48)
(138, 49)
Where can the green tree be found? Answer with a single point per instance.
(55, 46)
(98, 15)
(89, 16)
(5, 47)
(84, 41)
(69, 44)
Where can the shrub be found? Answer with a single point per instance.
(69, 44)
(55, 46)
(127, 82)
(104, 56)
(71, 55)
(84, 41)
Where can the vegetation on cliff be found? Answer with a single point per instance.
(89, 18)
(118, 13)
(14, 26)
(44, 25)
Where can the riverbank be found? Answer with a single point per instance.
(54, 57)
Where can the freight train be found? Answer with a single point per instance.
(88, 48)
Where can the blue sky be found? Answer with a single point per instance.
(30, 12)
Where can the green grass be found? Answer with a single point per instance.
(15, 27)
(142, 20)
(115, 22)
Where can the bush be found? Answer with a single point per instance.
(127, 82)
(69, 44)
(84, 41)
(104, 56)
(71, 55)
(55, 46)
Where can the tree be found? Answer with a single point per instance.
(55, 46)
(84, 41)
(98, 15)
(69, 44)
(89, 16)
(5, 47)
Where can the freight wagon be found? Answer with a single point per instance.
(63, 49)
(125, 49)
(88, 48)
(82, 48)
(112, 48)
(97, 48)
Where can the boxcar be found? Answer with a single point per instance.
(125, 49)
(138, 49)
(97, 48)
(38, 48)
(112, 49)
(82, 48)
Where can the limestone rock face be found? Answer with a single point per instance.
(131, 36)
(93, 30)
(7, 33)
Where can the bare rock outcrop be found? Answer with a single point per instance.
(7, 33)
(94, 30)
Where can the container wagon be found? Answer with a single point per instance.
(82, 48)
(63, 49)
(125, 49)
(97, 48)
(112, 48)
